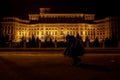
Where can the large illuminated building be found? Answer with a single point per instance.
(57, 26)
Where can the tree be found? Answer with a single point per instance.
(23, 42)
(96, 42)
(4, 39)
(107, 42)
(114, 41)
(87, 41)
(33, 40)
(78, 37)
(37, 42)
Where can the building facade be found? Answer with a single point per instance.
(57, 26)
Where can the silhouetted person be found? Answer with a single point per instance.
(74, 49)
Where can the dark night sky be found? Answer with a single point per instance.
(22, 8)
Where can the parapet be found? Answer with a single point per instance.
(44, 10)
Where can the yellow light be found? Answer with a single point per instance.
(51, 33)
(83, 32)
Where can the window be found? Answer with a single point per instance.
(37, 32)
(61, 33)
(41, 28)
(19, 33)
(46, 32)
(55, 32)
(73, 32)
(42, 33)
(81, 32)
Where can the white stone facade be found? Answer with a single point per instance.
(17, 28)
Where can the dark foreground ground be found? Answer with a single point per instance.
(49, 66)
(87, 50)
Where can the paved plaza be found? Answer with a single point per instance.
(56, 66)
